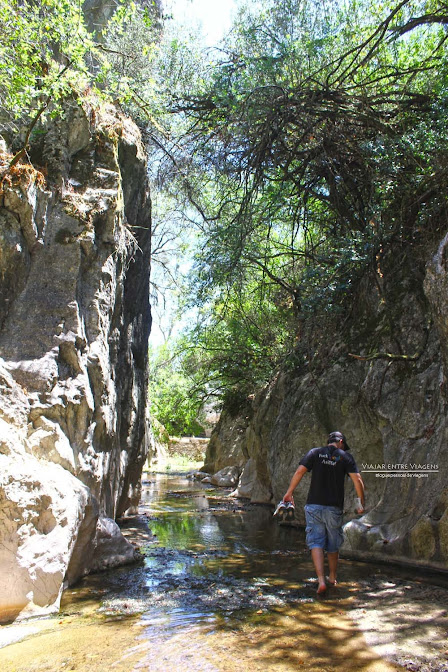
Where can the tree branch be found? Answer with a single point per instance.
(18, 156)
(386, 355)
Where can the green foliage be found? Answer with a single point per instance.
(42, 50)
(128, 52)
(173, 404)
(177, 463)
(312, 149)
(236, 349)
(321, 139)
(47, 53)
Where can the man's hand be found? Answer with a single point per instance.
(359, 506)
(359, 487)
(288, 498)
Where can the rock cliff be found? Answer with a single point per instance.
(390, 400)
(74, 327)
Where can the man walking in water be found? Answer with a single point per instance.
(323, 509)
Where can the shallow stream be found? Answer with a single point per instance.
(221, 587)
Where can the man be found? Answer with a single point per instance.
(323, 509)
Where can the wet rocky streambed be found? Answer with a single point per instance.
(221, 587)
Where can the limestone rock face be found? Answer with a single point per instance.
(74, 327)
(227, 444)
(390, 401)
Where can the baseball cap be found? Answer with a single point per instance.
(338, 436)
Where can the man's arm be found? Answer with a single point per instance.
(295, 480)
(360, 490)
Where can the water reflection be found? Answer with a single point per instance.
(206, 521)
(219, 535)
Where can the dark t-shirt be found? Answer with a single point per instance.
(328, 466)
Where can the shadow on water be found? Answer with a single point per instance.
(221, 586)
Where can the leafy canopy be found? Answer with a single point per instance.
(316, 147)
(42, 53)
(310, 150)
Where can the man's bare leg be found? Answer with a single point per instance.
(317, 555)
(333, 566)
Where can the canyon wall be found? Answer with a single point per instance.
(74, 327)
(378, 374)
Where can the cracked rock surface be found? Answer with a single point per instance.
(74, 327)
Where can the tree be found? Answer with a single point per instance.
(172, 403)
(42, 59)
(47, 53)
(323, 130)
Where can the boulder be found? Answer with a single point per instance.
(42, 510)
(225, 478)
(111, 548)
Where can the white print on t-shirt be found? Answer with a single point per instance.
(325, 460)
